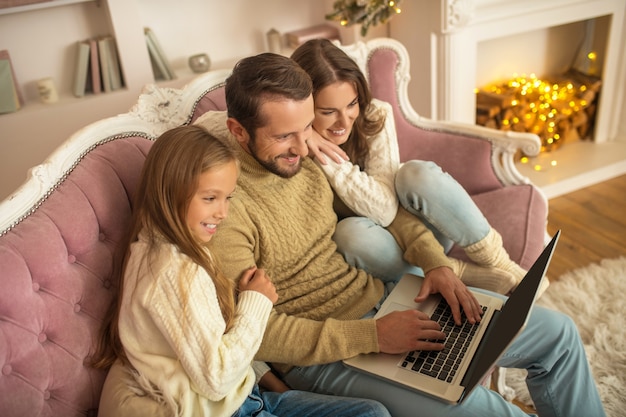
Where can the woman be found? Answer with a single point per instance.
(185, 335)
(365, 172)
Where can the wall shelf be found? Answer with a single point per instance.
(43, 5)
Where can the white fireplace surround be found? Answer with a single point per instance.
(446, 34)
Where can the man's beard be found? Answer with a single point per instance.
(271, 165)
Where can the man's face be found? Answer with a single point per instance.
(280, 145)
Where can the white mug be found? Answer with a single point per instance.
(47, 90)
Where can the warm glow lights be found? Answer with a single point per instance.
(547, 107)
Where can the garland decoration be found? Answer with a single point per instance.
(363, 12)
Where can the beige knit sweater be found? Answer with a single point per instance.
(285, 226)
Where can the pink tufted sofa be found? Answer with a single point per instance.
(59, 232)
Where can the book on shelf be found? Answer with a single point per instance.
(4, 55)
(9, 102)
(116, 71)
(104, 59)
(160, 64)
(81, 68)
(110, 70)
(94, 67)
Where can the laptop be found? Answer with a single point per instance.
(447, 378)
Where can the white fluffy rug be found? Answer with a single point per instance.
(594, 297)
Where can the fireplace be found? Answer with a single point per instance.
(459, 45)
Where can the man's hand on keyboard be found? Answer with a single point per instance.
(402, 331)
(443, 281)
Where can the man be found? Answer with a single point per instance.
(282, 220)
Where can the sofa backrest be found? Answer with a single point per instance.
(60, 233)
(59, 239)
(56, 283)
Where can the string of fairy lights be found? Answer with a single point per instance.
(538, 105)
(552, 108)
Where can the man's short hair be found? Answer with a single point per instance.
(263, 77)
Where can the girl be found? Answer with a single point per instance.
(185, 335)
(346, 115)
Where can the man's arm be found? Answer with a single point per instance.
(303, 342)
(421, 248)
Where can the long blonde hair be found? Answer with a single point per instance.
(169, 179)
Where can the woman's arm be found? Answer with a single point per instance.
(371, 192)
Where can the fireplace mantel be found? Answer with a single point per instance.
(446, 35)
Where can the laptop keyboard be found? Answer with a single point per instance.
(443, 364)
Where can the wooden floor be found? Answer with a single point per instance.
(593, 225)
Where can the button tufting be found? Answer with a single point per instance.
(36, 286)
(106, 283)
(7, 369)
(42, 337)
(102, 237)
(71, 259)
(76, 308)
(46, 395)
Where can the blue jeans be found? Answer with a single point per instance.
(372, 248)
(307, 404)
(430, 194)
(441, 203)
(559, 378)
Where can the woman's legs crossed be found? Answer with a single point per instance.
(370, 247)
(441, 202)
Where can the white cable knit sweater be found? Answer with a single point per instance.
(370, 193)
(174, 336)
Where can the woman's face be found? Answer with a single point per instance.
(336, 109)
(209, 204)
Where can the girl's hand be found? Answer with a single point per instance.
(257, 280)
(320, 148)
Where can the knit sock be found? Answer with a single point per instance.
(489, 252)
(491, 279)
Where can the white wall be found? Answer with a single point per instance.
(42, 43)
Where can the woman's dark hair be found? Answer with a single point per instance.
(327, 64)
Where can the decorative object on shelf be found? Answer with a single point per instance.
(47, 90)
(363, 12)
(274, 43)
(161, 66)
(199, 63)
(298, 37)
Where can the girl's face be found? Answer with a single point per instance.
(336, 109)
(209, 204)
